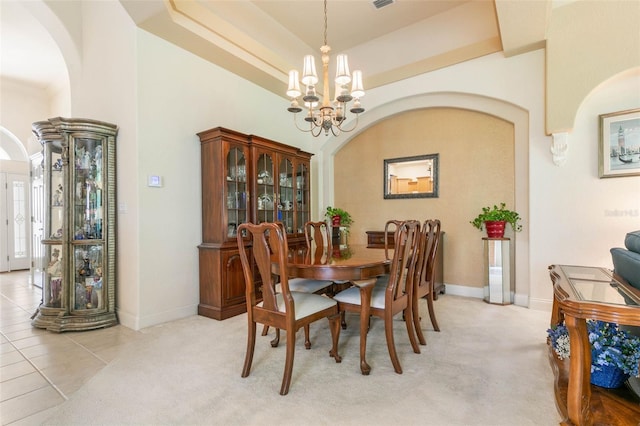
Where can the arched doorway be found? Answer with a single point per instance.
(35, 86)
(15, 224)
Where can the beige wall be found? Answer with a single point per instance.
(476, 169)
(579, 57)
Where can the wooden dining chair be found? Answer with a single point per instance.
(425, 274)
(396, 296)
(318, 240)
(286, 310)
(391, 227)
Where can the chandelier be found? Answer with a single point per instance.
(330, 115)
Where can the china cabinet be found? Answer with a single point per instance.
(245, 178)
(79, 235)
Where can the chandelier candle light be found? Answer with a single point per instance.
(331, 114)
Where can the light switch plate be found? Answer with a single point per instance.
(155, 181)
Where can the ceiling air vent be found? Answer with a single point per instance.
(379, 4)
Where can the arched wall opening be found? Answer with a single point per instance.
(493, 107)
(12, 147)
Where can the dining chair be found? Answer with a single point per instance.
(285, 310)
(425, 274)
(318, 240)
(391, 227)
(396, 295)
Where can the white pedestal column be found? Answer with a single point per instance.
(497, 271)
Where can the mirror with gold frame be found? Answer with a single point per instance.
(411, 177)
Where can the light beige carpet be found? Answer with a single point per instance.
(488, 366)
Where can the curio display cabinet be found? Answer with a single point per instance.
(79, 243)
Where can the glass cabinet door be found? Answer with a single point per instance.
(236, 191)
(266, 194)
(52, 291)
(54, 193)
(54, 200)
(87, 224)
(88, 187)
(87, 270)
(286, 200)
(302, 183)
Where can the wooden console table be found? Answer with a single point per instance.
(375, 239)
(582, 293)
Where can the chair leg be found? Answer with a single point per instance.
(432, 312)
(307, 342)
(334, 326)
(276, 340)
(288, 364)
(416, 320)
(343, 320)
(388, 331)
(251, 344)
(410, 330)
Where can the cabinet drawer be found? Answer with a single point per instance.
(375, 239)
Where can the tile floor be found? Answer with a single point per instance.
(40, 369)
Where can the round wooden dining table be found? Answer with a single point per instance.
(355, 263)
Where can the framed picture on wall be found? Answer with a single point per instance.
(411, 177)
(619, 153)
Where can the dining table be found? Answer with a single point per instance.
(356, 264)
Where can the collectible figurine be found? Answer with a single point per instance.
(97, 290)
(55, 265)
(86, 160)
(57, 196)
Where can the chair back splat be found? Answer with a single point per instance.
(318, 239)
(285, 310)
(389, 226)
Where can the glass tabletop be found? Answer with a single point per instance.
(598, 285)
(586, 273)
(598, 291)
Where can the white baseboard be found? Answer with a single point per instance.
(519, 299)
(127, 320)
(138, 323)
(541, 304)
(463, 290)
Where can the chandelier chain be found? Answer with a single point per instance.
(325, 23)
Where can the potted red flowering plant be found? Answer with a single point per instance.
(494, 220)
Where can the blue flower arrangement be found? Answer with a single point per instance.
(610, 346)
